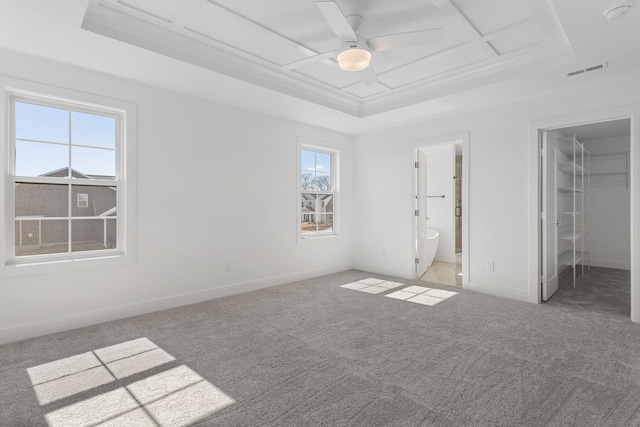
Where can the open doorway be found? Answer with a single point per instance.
(586, 216)
(440, 182)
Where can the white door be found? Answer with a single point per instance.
(549, 217)
(421, 217)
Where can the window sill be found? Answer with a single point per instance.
(22, 268)
(320, 237)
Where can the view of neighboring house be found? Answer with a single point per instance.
(46, 221)
(317, 212)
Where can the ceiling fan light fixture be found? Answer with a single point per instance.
(354, 59)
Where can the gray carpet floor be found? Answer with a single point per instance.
(313, 354)
(603, 290)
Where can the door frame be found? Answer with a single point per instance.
(535, 190)
(462, 138)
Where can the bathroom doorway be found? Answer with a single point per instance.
(440, 208)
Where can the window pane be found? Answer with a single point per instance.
(323, 162)
(308, 160)
(90, 129)
(112, 235)
(325, 203)
(100, 201)
(42, 200)
(36, 158)
(92, 234)
(41, 123)
(307, 180)
(325, 222)
(322, 182)
(308, 225)
(82, 200)
(308, 202)
(308, 212)
(93, 162)
(38, 236)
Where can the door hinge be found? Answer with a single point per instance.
(543, 215)
(417, 261)
(543, 279)
(417, 212)
(543, 152)
(416, 165)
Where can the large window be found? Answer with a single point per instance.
(317, 192)
(65, 180)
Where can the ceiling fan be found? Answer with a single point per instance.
(354, 54)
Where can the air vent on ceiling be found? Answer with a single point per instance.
(586, 70)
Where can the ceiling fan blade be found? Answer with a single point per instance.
(400, 40)
(309, 60)
(368, 75)
(337, 20)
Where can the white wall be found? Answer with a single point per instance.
(499, 190)
(440, 173)
(609, 227)
(203, 170)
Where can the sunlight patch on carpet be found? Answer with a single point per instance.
(372, 285)
(177, 396)
(422, 295)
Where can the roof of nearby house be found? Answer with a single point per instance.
(63, 172)
(312, 196)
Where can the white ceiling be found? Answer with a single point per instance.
(492, 52)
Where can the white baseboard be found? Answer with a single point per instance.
(384, 270)
(607, 263)
(499, 291)
(78, 320)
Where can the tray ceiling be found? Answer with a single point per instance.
(251, 40)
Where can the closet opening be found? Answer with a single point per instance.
(585, 228)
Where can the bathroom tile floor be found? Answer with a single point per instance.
(444, 273)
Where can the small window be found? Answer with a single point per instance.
(317, 192)
(83, 200)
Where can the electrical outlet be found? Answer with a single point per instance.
(227, 267)
(491, 266)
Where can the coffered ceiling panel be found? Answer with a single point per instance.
(488, 16)
(258, 41)
(165, 9)
(517, 37)
(222, 26)
(432, 67)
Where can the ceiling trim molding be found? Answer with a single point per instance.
(459, 19)
(111, 23)
(470, 76)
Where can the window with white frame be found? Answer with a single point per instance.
(317, 192)
(63, 153)
(83, 200)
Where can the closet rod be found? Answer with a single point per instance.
(440, 197)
